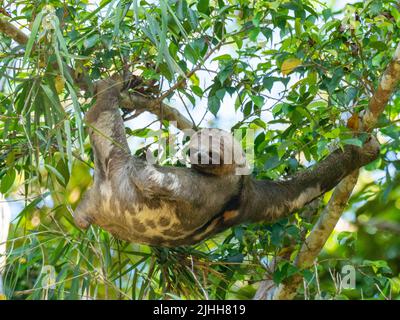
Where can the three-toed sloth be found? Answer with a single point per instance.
(172, 206)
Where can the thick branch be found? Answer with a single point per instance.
(13, 32)
(382, 225)
(319, 235)
(339, 200)
(386, 87)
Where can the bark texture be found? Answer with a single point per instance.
(13, 32)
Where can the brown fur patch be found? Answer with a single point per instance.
(228, 215)
(205, 233)
(150, 223)
(164, 221)
(138, 226)
(172, 233)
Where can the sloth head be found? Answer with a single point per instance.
(216, 152)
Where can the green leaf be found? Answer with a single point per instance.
(91, 41)
(117, 18)
(260, 123)
(7, 180)
(225, 56)
(347, 238)
(220, 93)
(214, 105)
(67, 129)
(197, 91)
(203, 6)
(59, 176)
(191, 54)
(225, 73)
(333, 134)
(353, 141)
(62, 168)
(258, 101)
(53, 97)
(378, 266)
(272, 162)
(284, 271)
(253, 34)
(32, 37)
(378, 45)
(78, 117)
(31, 206)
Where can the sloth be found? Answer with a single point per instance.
(141, 202)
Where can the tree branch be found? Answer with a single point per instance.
(140, 103)
(341, 195)
(132, 102)
(160, 109)
(381, 225)
(13, 32)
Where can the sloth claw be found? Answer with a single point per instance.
(81, 218)
(81, 222)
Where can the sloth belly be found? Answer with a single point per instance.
(143, 224)
(161, 227)
(156, 222)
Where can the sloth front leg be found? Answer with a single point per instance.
(109, 146)
(105, 125)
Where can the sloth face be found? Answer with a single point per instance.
(216, 152)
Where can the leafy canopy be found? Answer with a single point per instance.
(294, 70)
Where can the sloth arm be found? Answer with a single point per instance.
(264, 200)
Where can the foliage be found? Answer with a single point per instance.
(296, 71)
